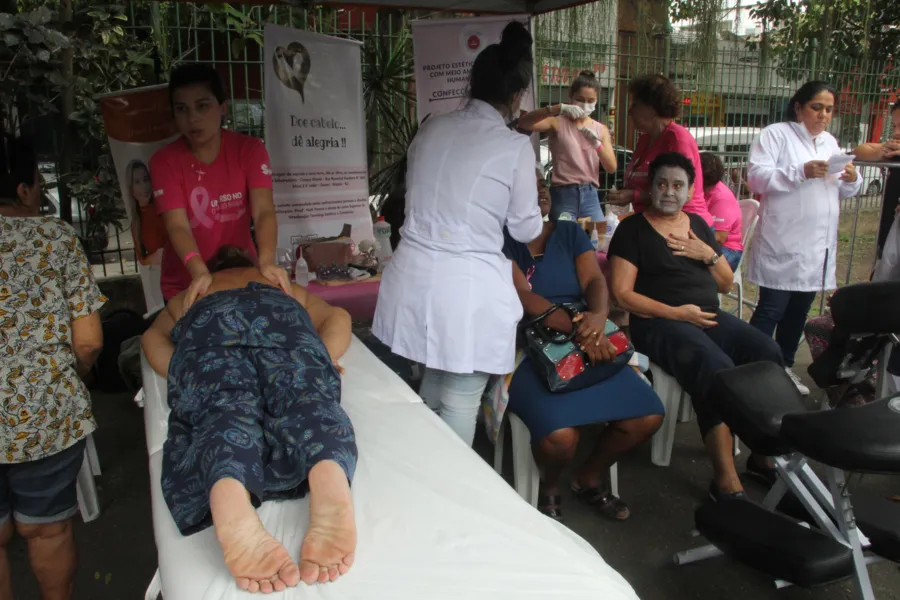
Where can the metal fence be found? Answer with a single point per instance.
(727, 98)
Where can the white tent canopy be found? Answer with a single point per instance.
(479, 6)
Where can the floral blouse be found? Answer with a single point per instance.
(45, 284)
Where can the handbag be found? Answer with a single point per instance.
(328, 254)
(560, 363)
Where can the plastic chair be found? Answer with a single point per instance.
(86, 487)
(676, 402)
(526, 476)
(749, 220)
(154, 590)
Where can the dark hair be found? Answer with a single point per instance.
(196, 74)
(658, 93)
(712, 167)
(18, 164)
(807, 92)
(503, 70)
(585, 79)
(229, 257)
(672, 159)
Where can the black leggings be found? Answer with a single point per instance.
(693, 355)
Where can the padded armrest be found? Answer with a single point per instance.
(869, 307)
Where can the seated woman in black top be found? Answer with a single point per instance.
(561, 266)
(667, 272)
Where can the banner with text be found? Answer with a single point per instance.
(138, 122)
(444, 50)
(316, 136)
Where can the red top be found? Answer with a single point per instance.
(216, 197)
(674, 138)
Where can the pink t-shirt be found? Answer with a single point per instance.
(575, 160)
(726, 211)
(675, 138)
(216, 197)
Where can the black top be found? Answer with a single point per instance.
(889, 205)
(662, 276)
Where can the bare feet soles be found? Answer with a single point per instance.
(258, 562)
(328, 548)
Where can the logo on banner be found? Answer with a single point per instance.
(471, 39)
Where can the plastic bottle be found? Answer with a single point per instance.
(301, 271)
(595, 239)
(383, 237)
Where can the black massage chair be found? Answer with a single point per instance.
(836, 535)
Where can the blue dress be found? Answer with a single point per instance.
(623, 396)
(254, 397)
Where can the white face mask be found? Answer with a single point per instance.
(586, 107)
(670, 189)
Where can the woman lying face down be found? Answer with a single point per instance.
(255, 389)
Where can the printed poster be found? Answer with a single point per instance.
(138, 122)
(316, 136)
(444, 50)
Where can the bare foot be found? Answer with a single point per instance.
(328, 548)
(256, 560)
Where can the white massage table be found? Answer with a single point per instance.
(434, 520)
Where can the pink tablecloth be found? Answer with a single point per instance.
(603, 261)
(356, 298)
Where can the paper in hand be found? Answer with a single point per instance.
(837, 163)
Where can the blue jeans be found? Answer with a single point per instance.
(456, 397)
(733, 257)
(783, 313)
(578, 200)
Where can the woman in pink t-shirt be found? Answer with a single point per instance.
(209, 185)
(655, 104)
(724, 208)
(579, 146)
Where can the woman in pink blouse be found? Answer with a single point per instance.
(655, 104)
(724, 208)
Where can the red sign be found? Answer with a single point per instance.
(473, 42)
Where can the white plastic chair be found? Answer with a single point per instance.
(526, 476)
(749, 219)
(85, 487)
(678, 408)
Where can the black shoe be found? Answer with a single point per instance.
(717, 495)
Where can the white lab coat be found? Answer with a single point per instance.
(447, 298)
(798, 217)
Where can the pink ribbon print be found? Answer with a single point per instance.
(199, 200)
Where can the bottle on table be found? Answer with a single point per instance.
(383, 237)
(301, 271)
(595, 238)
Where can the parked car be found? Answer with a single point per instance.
(732, 145)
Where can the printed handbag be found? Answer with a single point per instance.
(560, 363)
(327, 254)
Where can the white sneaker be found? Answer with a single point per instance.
(804, 391)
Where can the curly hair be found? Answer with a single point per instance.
(658, 93)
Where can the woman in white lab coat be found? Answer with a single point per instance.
(794, 250)
(447, 298)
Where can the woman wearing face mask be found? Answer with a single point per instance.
(447, 298)
(667, 271)
(793, 254)
(655, 104)
(579, 146)
(147, 227)
(209, 185)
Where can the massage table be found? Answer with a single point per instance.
(434, 520)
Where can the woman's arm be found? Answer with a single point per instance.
(178, 228)
(157, 340)
(87, 342)
(265, 223)
(523, 216)
(593, 284)
(869, 152)
(535, 305)
(764, 176)
(540, 120)
(333, 324)
(607, 152)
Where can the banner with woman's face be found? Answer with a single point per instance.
(138, 123)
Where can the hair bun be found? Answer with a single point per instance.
(588, 74)
(515, 43)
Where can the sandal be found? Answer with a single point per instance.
(550, 505)
(764, 474)
(603, 500)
